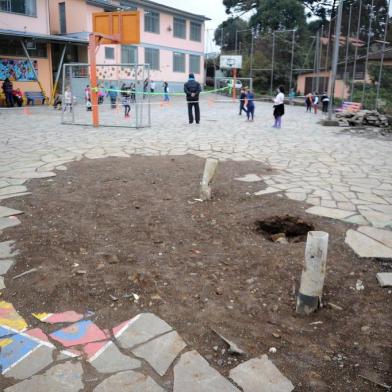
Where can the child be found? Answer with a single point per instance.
(89, 107)
(166, 92)
(325, 102)
(279, 107)
(250, 105)
(309, 102)
(126, 100)
(242, 101)
(112, 93)
(315, 103)
(67, 99)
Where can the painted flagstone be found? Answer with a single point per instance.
(80, 333)
(54, 318)
(9, 317)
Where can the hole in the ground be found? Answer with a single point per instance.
(284, 229)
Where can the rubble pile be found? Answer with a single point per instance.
(364, 117)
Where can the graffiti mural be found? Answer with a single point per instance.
(17, 70)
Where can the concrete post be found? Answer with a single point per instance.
(313, 273)
(208, 175)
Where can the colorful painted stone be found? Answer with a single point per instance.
(9, 317)
(80, 333)
(54, 318)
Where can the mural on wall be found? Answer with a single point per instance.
(17, 70)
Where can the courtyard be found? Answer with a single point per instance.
(107, 223)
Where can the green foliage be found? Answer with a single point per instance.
(225, 34)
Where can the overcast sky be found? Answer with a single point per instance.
(213, 9)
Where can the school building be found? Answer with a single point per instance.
(38, 36)
(312, 82)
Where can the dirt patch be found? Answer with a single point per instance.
(291, 228)
(112, 227)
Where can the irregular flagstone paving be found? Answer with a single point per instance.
(324, 167)
(340, 176)
(260, 375)
(31, 357)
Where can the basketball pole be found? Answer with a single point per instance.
(93, 79)
(234, 83)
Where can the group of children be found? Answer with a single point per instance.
(248, 106)
(313, 100)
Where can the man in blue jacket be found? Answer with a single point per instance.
(192, 90)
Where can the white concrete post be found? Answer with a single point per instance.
(208, 175)
(313, 273)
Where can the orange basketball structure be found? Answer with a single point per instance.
(110, 28)
(124, 25)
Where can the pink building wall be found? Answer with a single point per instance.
(33, 24)
(78, 15)
(167, 44)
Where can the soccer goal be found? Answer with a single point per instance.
(118, 86)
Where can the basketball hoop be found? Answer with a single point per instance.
(122, 27)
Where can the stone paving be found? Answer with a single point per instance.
(338, 175)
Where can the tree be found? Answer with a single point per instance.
(279, 15)
(314, 7)
(225, 34)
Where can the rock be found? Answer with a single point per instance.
(233, 348)
(161, 352)
(140, 329)
(219, 291)
(111, 360)
(128, 381)
(81, 272)
(359, 285)
(365, 329)
(5, 265)
(192, 373)
(31, 364)
(260, 375)
(385, 279)
(66, 377)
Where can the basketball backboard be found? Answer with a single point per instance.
(231, 62)
(125, 24)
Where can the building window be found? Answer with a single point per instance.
(63, 20)
(151, 56)
(128, 54)
(194, 63)
(151, 21)
(195, 31)
(109, 53)
(178, 62)
(179, 28)
(14, 48)
(24, 7)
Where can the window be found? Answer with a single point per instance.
(195, 31)
(128, 54)
(178, 62)
(151, 56)
(194, 63)
(14, 48)
(63, 21)
(179, 28)
(109, 53)
(151, 21)
(25, 7)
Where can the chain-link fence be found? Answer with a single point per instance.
(121, 88)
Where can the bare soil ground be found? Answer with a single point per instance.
(108, 228)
